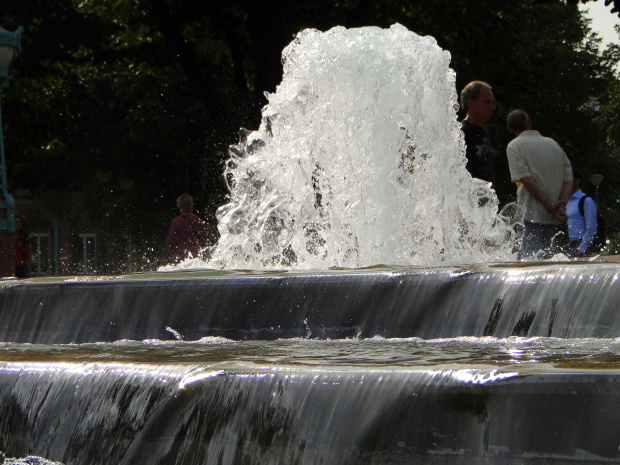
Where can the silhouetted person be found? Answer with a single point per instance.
(23, 258)
(187, 234)
(478, 102)
(544, 178)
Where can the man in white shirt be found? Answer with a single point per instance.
(544, 179)
(582, 228)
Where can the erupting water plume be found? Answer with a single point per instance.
(359, 160)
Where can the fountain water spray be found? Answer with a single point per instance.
(359, 160)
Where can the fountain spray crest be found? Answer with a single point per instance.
(359, 160)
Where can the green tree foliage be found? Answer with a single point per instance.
(120, 105)
(608, 119)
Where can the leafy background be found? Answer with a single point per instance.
(117, 106)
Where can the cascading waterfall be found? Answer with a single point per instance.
(442, 351)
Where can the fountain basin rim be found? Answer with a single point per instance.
(202, 273)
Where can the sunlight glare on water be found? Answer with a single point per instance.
(373, 352)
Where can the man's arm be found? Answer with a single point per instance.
(560, 205)
(567, 191)
(556, 208)
(537, 192)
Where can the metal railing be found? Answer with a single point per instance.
(41, 251)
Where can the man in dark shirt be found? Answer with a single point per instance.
(187, 234)
(478, 102)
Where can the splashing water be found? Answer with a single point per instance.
(359, 160)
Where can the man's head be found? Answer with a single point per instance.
(185, 203)
(478, 102)
(518, 121)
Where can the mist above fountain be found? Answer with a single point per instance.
(359, 160)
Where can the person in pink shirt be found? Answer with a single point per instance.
(187, 234)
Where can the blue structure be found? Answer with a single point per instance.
(10, 46)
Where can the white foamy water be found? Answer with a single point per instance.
(359, 160)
